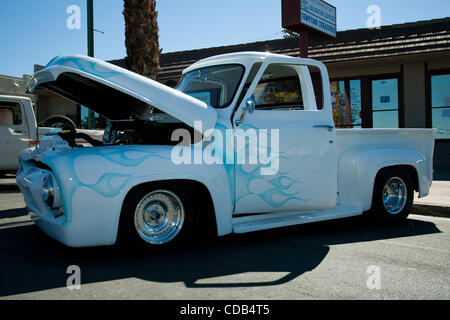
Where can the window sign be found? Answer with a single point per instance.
(385, 99)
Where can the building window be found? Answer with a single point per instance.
(91, 120)
(385, 103)
(346, 99)
(440, 105)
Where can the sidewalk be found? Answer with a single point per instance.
(437, 203)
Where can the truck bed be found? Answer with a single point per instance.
(372, 148)
(418, 139)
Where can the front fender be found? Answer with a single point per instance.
(94, 182)
(358, 169)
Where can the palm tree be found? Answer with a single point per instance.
(141, 37)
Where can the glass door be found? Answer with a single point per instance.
(385, 103)
(440, 105)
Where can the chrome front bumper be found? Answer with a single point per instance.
(51, 220)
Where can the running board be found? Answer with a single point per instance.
(286, 219)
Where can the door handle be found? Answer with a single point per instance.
(19, 131)
(324, 126)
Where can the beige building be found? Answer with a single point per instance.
(14, 85)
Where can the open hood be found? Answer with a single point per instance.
(117, 93)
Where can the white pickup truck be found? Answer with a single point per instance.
(19, 130)
(245, 143)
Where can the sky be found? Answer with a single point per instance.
(33, 32)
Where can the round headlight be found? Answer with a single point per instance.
(48, 191)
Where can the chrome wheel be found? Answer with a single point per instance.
(159, 217)
(395, 195)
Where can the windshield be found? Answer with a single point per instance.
(216, 86)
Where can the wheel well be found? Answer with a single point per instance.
(201, 198)
(411, 170)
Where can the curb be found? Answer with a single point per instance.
(431, 210)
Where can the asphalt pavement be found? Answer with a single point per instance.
(344, 259)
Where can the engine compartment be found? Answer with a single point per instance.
(142, 132)
(156, 129)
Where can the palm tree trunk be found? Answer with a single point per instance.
(141, 37)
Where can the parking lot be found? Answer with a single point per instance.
(345, 259)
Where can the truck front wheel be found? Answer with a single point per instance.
(393, 195)
(156, 217)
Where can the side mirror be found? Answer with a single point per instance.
(250, 105)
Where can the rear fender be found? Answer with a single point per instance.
(358, 170)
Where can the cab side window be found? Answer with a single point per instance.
(279, 89)
(10, 114)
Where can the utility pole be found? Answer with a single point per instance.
(304, 42)
(90, 38)
(90, 27)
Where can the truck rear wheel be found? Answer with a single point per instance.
(156, 217)
(393, 195)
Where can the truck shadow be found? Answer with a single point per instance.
(9, 188)
(8, 184)
(13, 213)
(30, 261)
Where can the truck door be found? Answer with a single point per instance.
(14, 135)
(281, 102)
